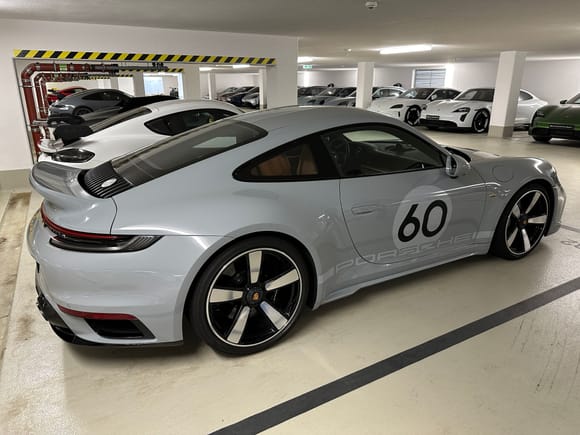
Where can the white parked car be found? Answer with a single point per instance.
(472, 110)
(408, 106)
(132, 130)
(378, 92)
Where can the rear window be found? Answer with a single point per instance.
(121, 117)
(182, 150)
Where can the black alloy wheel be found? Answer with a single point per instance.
(413, 116)
(81, 111)
(480, 122)
(250, 295)
(523, 223)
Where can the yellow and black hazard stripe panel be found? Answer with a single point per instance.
(140, 57)
(170, 70)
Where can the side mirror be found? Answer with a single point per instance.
(456, 166)
(563, 101)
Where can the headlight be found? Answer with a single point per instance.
(72, 155)
(397, 106)
(462, 110)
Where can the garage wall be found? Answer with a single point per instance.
(14, 148)
(552, 80)
(324, 77)
(225, 80)
(390, 76)
(89, 84)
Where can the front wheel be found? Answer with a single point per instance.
(413, 116)
(542, 139)
(522, 224)
(480, 122)
(250, 295)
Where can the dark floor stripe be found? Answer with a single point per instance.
(319, 396)
(566, 227)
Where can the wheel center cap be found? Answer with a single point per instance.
(254, 295)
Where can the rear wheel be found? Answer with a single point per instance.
(81, 111)
(250, 295)
(413, 116)
(480, 122)
(542, 139)
(523, 223)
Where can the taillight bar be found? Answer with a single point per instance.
(73, 240)
(75, 234)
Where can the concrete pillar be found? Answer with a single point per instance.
(211, 86)
(114, 82)
(364, 84)
(191, 82)
(262, 84)
(507, 89)
(138, 84)
(282, 83)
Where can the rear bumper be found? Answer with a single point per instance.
(149, 288)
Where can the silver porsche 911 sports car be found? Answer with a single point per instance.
(238, 225)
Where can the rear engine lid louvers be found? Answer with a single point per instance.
(103, 182)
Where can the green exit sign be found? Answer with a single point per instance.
(306, 66)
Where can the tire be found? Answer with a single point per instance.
(542, 139)
(233, 309)
(480, 123)
(523, 223)
(81, 111)
(413, 116)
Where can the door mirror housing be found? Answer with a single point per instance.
(563, 101)
(456, 166)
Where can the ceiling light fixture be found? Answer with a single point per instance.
(304, 59)
(398, 49)
(205, 68)
(242, 65)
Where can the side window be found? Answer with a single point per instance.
(452, 93)
(524, 96)
(176, 123)
(370, 151)
(294, 162)
(97, 96)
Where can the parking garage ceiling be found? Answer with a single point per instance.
(343, 32)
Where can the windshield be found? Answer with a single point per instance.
(574, 100)
(417, 93)
(477, 95)
(184, 149)
(121, 117)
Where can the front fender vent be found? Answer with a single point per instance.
(103, 181)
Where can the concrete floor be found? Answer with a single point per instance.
(521, 377)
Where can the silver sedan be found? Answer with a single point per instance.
(239, 225)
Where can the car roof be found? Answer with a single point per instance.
(311, 118)
(172, 106)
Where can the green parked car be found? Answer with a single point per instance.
(557, 121)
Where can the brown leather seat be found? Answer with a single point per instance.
(277, 166)
(306, 165)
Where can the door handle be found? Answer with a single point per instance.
(364, 209)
